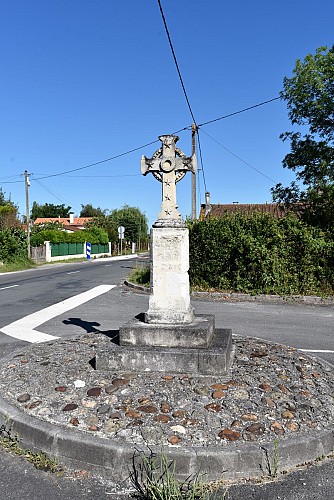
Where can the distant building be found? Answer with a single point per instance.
(215, 211)
(71, 224)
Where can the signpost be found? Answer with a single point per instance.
(121, 230)
(88, 250)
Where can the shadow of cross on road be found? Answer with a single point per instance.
(89, 326)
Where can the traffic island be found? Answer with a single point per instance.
(275, 406)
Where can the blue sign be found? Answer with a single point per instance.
(88, 249)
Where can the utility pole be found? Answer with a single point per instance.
(27, 184)
(193, 177)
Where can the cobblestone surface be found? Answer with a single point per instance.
(272, 391)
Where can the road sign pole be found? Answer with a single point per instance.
(121, 236)
(88, 250)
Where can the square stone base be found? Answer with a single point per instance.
(213, 360)
(198, 333)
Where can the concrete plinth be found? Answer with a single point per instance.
(170, 299)
(198, 333)
(213, 360)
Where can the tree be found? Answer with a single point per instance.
(134, 222)
(89, 211)
(49, 210)
(309, 95)
(105, 222)
(8, 212)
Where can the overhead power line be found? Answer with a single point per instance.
(238, 112)
(98, 162)
(236, 156)
(140, 147)
(53, 193)
(201, 160)
(175, 61)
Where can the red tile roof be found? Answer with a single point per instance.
(218, 210)
(77, 221)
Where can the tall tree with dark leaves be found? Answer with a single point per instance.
(309, 95)
(49, 210)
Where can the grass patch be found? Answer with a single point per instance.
(39, 460)
(16, 265)
(154, 478)
(140, 275)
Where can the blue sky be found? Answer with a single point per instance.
(83, 81)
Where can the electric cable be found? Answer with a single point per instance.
(238, 112)
(53, 193)
(140, 147)
(201, 160)
(175, 60)
(236, 156)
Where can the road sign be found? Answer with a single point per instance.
(121, 230)
(88, 250)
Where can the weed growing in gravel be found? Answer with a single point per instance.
(154, 478)
(39, 460)
(140, 275)
(272, 464)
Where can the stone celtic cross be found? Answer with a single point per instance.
(168, 165)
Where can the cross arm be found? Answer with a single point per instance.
(149, 165)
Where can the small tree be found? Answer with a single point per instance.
(8, 212)
(107, 224)
(90, 211)
(49, 210)
(134, 222)
(309, 95)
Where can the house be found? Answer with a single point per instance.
(214, 211)
(71, 224)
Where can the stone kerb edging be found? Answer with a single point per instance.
(305, 299)
(113, 459)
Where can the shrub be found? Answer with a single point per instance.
(261, 255)
(13, 245)
(94, 235)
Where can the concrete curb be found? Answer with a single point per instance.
(114, 459)
(305, 299)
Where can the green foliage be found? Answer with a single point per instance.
(107, 224)
(94, 235)
(261, 255)
(13, 245)
(90, 211)
(40, 460)
(8, 212)
(154, 478)
(140, 275)
(49, 210)
(134, 222)
(309, 95)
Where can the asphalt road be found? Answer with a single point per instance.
(309, 327)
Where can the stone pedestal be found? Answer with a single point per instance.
(169, 337)
(169, 300)
(213, 360)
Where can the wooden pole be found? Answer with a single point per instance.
(193, 178)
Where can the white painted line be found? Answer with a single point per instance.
(24, 328)
(316, 350)
(5, 287)
(73, 272)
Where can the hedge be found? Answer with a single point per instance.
(94, 235)
(13, 245)
(261, 254)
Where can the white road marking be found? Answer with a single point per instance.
(73, 272)
(24, 328)
(316, 350)
(5, 287)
